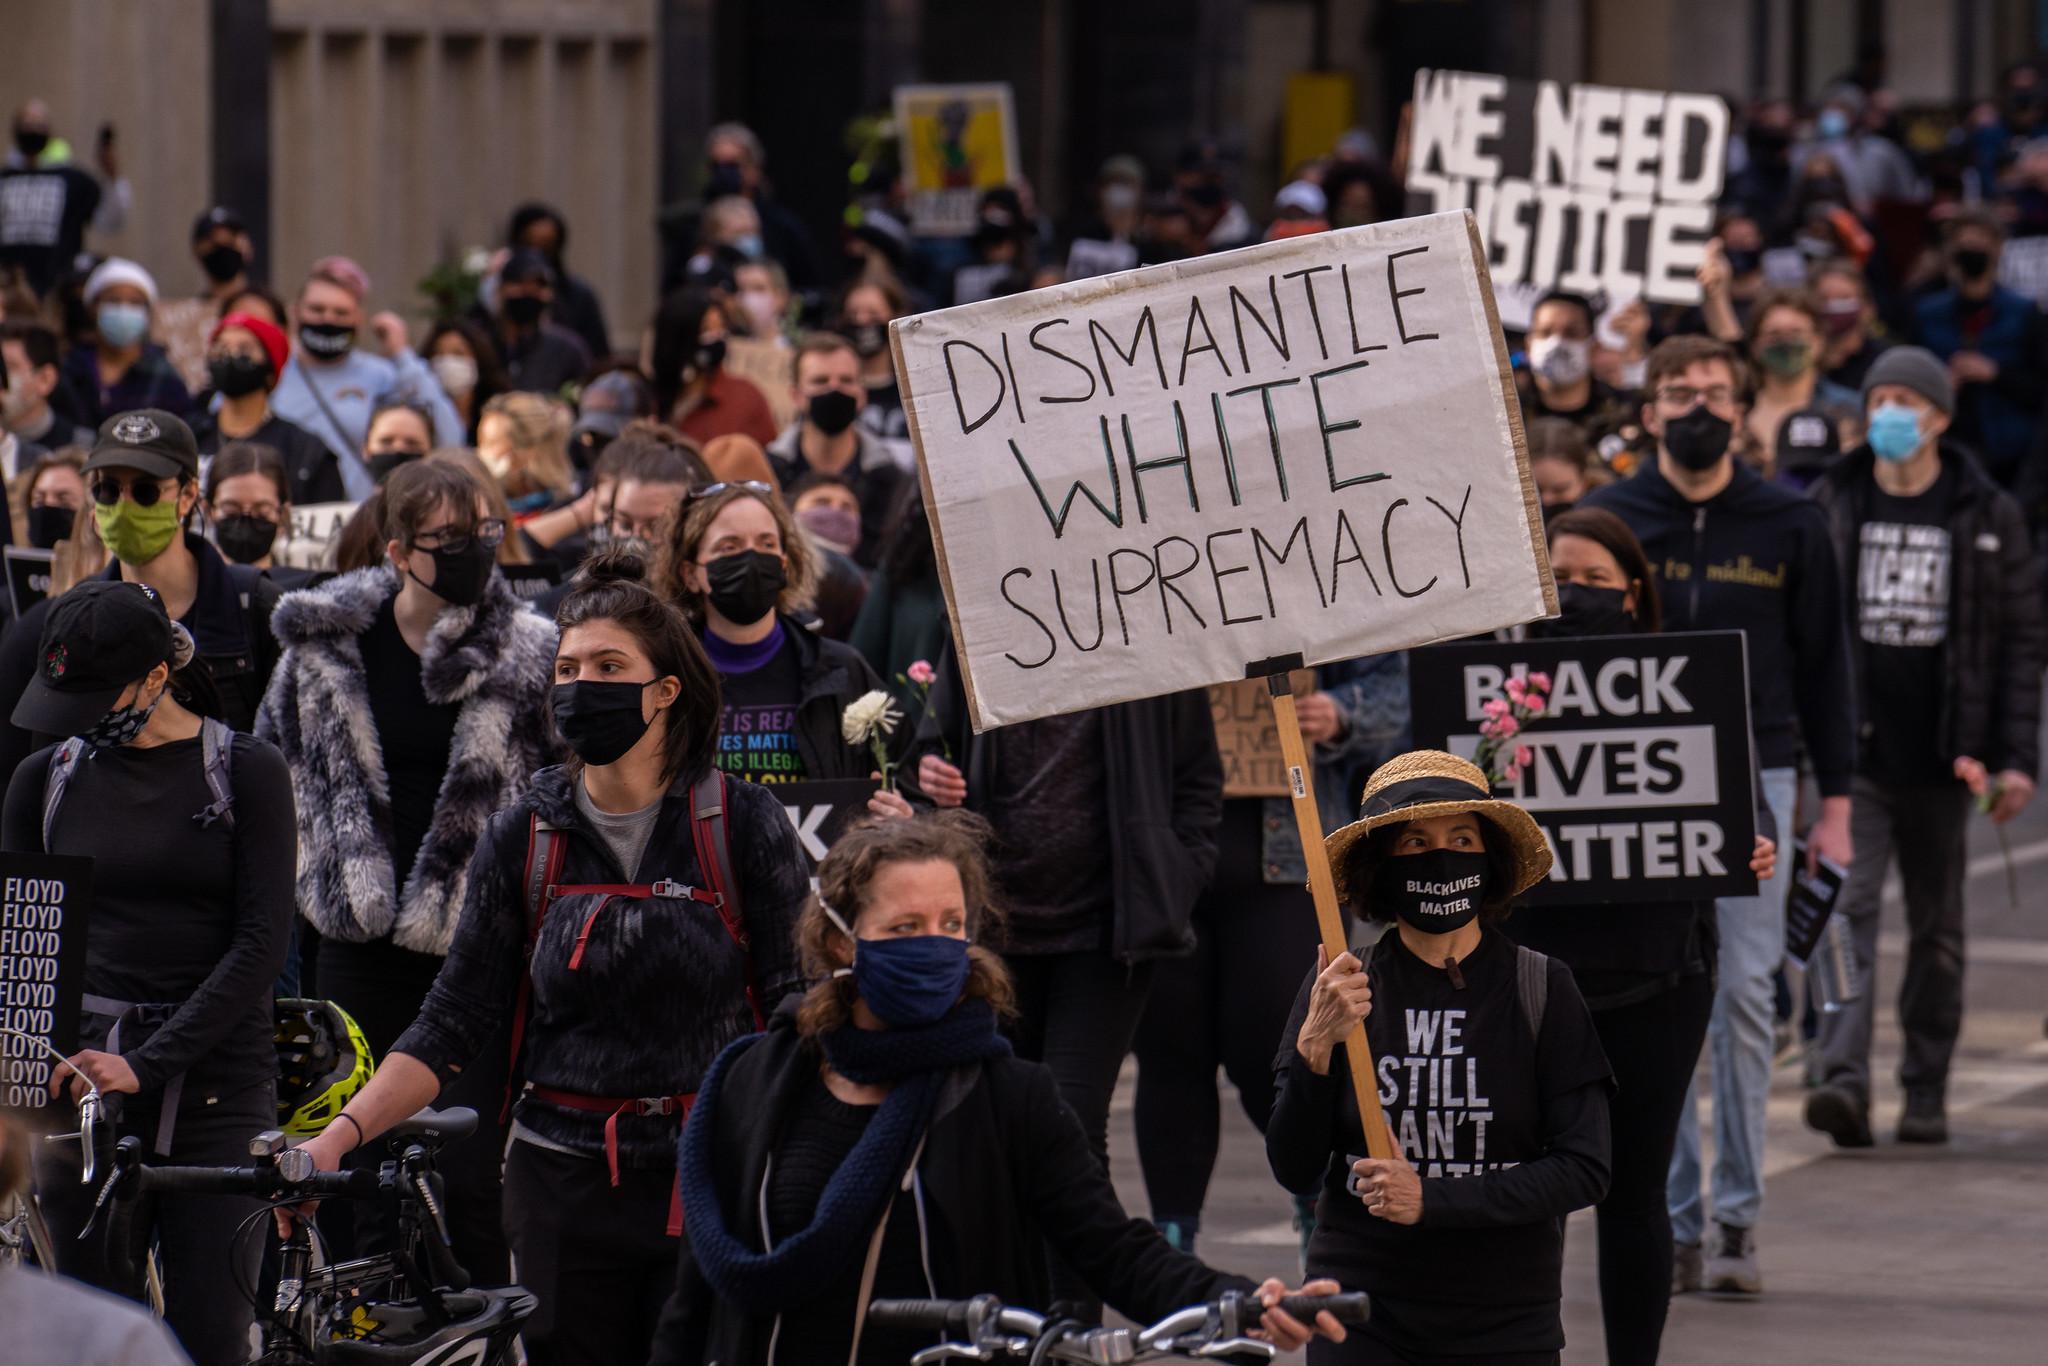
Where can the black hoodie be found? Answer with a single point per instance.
(1756, 558)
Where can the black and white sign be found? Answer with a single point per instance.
(821, 811)
(1586, 188)
(1640, 770)
(28, 576)
(45, 905)
(1810, 902)
(531, 581)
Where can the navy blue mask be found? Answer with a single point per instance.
(908, 982)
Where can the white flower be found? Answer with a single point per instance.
(867, 716)
(476, 261)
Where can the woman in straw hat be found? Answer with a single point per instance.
(1494, 1084)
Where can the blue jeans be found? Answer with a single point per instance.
(1739, 1041)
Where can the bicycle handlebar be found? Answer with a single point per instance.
(266, 1182)
(1204, 1329)
(1348, 1307)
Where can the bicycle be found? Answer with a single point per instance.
(411, 1306)
(24, 1236)
(993, 1329)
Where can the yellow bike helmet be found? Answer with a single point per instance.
(323, 1060)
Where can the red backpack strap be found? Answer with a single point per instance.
(712, 837)
(545, 848)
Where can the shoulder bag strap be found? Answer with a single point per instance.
(712, 836)
(340, 432)
(216, 743)
(1532, 986)
(543, 870)
(63, 760)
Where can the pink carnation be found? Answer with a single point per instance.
(1515, 688)
(1532, 703)
(1513, 773)
(1540, 682)
(1524, 756)
(1506, 727)
(1497, 708)
(922, 673)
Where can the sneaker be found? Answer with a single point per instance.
(1687, 1269)
(1841, 1114)
(1179, 1233)
(1733, 1268)
(1925, 1119)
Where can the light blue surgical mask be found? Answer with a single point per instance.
(1833, 124)
(122, 325)
(1894, 432)
(748, 244)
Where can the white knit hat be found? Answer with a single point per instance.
(119, 270)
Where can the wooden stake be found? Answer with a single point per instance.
(1379, 1142)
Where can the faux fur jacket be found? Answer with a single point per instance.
(495, 659)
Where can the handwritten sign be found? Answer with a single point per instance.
(1640, 772)
(1142, 483)
(1248, 738)
(956, 141)
(45, 905)
(1587, 188)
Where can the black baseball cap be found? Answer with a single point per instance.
(219, 216)
(609, 402)
(99, 638)
(148, 439)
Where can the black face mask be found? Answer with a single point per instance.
(745, 585)
(1971, 263)
(384, 462)
(710, 356)
(328, 341)
(223, 263)
(869, 339)
(1583, 610)
(833, 411)
(245, 540)
(31, 144)
(725, 178)
(1435, 892)
(1699, 439)
(238, 376)
(524, 310)
(49, 525)
(600, 721)
(460, 576)
(1742, 260)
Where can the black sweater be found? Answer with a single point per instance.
(1757, 558)
(183, 915)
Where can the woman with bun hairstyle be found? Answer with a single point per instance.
(625, 918)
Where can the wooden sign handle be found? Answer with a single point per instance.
(1379, 1142)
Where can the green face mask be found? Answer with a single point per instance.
(135, 534)
(1787, 359)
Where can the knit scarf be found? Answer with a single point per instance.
(916, 1061)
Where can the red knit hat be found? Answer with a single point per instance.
(274, 344)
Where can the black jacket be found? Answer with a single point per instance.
(833, 675)
(1005, 1173)
(1997, 643)
(313, 470)
(1756, 558)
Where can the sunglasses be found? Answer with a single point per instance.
(142, 491)
(753, 486)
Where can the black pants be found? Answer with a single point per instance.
(1653, 1046)
(1359, 1350)
(1224, 1005)
(598, 1257)
(382, 987)
(208, 1274)
(1077, 1013)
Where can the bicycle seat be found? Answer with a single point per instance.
(445, 1126)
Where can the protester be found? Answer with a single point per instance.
(828, 438)
(249, 503)
(189, 831)
(516, 547)
(29, 354)
(1995, 344)
(223, 249)
(739, 459)
(1848, 323)
(603, 1010)
(1558, 379)
(660, 466)
(1756, 558)
(53, 493)
(1785, 346)
(523, 440)
(1645, 970)
(540, 355)
(121, 368)
(1941, 581)
(902, 618)
(400, 432)
(1561, 463)
(144, 477)
(604, 408)
(1873, 169)
(46, 202)
(692, 387)
(1216, 220)
(865, 312)
(245, 356)
(735, 162)
(893, 1063)
(331, 388)
(575, 306)
(1458, 1238)
(466, 365)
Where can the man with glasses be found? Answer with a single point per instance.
(1736, 553)
(143, 475)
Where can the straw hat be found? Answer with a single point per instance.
(1425, 783)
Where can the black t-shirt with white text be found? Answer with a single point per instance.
(1903, 563)
(757, 734)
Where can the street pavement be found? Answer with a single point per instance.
(1895, 1254)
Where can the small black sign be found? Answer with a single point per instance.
(531, 581)
(1639, 768)
(28, 576)
(821, 811)
(45, 907)
(1810, 902)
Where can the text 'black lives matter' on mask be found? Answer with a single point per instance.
(1698, 439)
(745, 585)
(1436, 891)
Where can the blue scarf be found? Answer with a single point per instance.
(916, 1062)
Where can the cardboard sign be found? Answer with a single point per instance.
(45, 906)
(28, 576)
(1642, 776)
(955, 142)
(821, 811)
(1247, 737)
(1585, 188)
(314, 530)
(531, 581)
(1143, 483)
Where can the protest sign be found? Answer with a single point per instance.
(822, 810)
(530, 581)
(1149, 481)
(309, 542)
(954, 141)
(2023, 268)
(1810, 902)
(45, 905)
(1587, 188)
(1640, 770)
(1248, 738)
(28, 576)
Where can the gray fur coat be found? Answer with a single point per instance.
(496, 659)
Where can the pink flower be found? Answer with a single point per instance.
(1497, 708)
(1515, 688)
(922, 673)
(1513, 773)
(1540, 682)
(1524, 756)
(1532, 703)
(1506, 727)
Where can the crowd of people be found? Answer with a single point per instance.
(446, 674)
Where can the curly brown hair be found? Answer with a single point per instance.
(844, 879)
(686, 535)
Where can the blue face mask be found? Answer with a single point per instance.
(908, 982)
(749, 245)
(1833, 124)
(122, 325)
(1894, 432)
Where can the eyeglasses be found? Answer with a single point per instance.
(489, 533)
(1685, 396)
(142, 491)
(750, 485)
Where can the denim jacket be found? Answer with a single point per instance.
(1372, 693)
